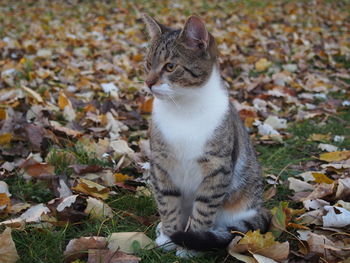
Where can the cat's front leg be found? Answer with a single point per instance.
(210, 194)
(168, 198)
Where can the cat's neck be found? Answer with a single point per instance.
(211, 97)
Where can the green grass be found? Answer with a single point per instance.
(48, 244)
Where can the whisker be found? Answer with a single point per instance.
(172, 99)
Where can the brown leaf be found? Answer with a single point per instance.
(5, 138)
(146, 107)
(42, 171)
(35, 135)
(8, 252)
(70, 132)
(78, 248)
(262, 244)
(320, 191)
(107, 256)
(91, 188)
(84, 168)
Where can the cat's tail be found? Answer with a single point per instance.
(220, 237)
(202, 241)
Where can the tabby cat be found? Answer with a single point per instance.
(204, 171)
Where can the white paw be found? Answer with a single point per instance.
(162, 240)
(185, 253)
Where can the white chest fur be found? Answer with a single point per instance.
(187, 124)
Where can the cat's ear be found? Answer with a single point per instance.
(155, 29)
(194, 34)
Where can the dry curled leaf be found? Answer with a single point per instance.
(123, 241)
(78, 248)
(91, 188)
(260, 244)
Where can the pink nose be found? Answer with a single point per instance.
(151, 80)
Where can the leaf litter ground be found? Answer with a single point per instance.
(74, 118)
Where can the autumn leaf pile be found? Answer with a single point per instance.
(74, 116)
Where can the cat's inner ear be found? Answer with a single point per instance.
(155, 29)
(194, 34)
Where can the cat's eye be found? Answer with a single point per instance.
(170, 67)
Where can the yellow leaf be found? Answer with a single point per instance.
(8, 252)
(22, 60)
(122, 177)
(262, 64)
(322, 178)
(257, 241)
(5, 138)
(262, 244)
(91, 188)
(3, 114)
(335, 156)
(62, 101)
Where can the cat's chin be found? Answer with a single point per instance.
(160, 96)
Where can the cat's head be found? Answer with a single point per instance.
(178, 60)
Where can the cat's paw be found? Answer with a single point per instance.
(163, 241)
(186, 253)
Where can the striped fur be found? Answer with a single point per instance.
(204, 171)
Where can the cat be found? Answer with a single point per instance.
(205, 175)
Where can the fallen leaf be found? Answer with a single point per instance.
(299, 186)
(122, 177)
(70, 132)
(261, 244)
(5, 138)
(327, 147)
(66, 202)
(323, 246)
(321, 190)
(32, 215)
(84, 168)
(107, 256)
(121, 147)
(91, 188)
(98, 209)
(33, 94)
(322, 178)
(62, 101)
(78, 248)
(315, 204)
(262, 64)
(319, 137)
(8, 251)
(41, 171)
(276, 123)
(335, 156)
(336, 217)
(262, 259)
(123, 241)
(147, 106)
(343, 190)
